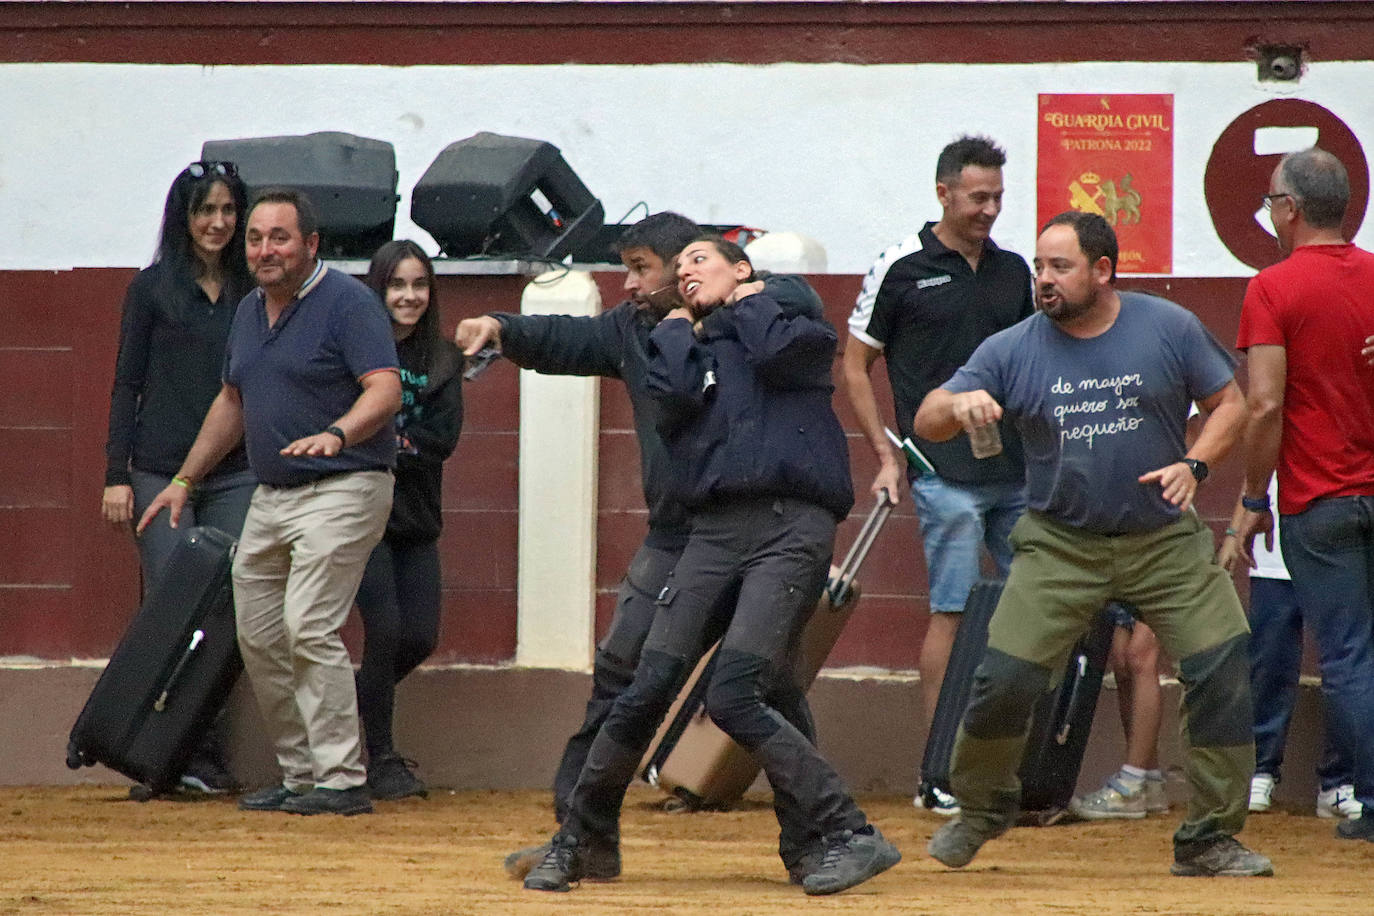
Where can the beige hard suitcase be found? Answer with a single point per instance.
(693, 760)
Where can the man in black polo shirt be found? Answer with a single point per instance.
(925, 306)
(311, 386)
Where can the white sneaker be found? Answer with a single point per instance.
(946, 805)
(1339, 802)
(1261, 787)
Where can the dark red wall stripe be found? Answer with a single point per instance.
(403, 33)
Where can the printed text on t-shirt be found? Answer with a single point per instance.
(1072, 403)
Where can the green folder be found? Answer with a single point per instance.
(913, 455)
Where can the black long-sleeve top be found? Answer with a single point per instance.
(171, 354)
(427, 430)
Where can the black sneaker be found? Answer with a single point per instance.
(1356, 828)
(1222, 857)
(561, 867)
(599, 863)
(269, 799)
(320, 800)
(851, 857)
(207, 776)
(390, 777)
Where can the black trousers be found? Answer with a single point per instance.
(617, 656)
(774, 553)
(399, 603)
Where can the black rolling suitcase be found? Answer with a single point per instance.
(1060, 724)
(170, 673)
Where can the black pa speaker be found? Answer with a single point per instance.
(350, 180)
(497, 195)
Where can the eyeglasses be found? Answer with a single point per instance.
(1270, 198)
(202, 168)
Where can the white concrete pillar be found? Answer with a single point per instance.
(787, 253)
(559, 424)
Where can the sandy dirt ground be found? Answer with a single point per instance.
(88, 850)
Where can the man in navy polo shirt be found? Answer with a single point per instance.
(926, 305)
(311, 385)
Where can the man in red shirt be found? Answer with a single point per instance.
(1311, 400)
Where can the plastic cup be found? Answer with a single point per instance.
(986, 440)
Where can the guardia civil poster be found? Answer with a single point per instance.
(1112, 155)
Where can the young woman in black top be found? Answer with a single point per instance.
(171, 352)
(400, 593)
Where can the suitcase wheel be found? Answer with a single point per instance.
(75, 759)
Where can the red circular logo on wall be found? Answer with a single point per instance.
(1241, 163)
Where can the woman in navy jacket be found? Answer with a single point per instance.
(400, 592)
(757, 455)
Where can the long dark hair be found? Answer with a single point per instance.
(174, 245)
(426, 337)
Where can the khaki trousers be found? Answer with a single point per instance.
(1060, 579)
(299, 561)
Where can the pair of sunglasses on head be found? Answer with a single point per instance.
(203, 167)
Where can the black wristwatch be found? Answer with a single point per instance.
(1199, 468)
(343, 440)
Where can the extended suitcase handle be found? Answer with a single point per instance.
(841, 586)
(196, 639)
(1061, 735)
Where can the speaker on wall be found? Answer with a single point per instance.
(350, 180)
(496, 195)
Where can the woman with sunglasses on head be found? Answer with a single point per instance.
(171, 352)
(400, 592)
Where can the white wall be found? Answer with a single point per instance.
(842, 153)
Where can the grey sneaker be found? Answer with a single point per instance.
(956, 843)
(1110, 802)
(851, 858)
(1156, 797)
(599, 863)
(1222, 857)
(269, 799)
(560, 868)
(808, 863)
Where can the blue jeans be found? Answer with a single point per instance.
(1275, 662)
(955, 519)
(1329, 551)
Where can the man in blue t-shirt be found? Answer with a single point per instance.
(311, 387)
(1099, 385)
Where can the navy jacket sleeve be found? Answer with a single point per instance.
(435, 434)
(785, 352)
(131, 367)
(792, 294)
(679, 372)
(567, 344)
